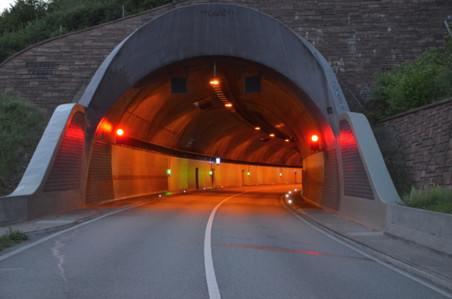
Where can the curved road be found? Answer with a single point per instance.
(235, 243)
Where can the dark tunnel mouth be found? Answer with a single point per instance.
(177, 108)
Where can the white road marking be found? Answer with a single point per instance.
(212, 285)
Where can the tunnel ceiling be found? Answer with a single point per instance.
(196, 119)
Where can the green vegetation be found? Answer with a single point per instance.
(30, 21)
(413, 84)
(434, 198)
(410, 85)
(21, 127)
(12, 238)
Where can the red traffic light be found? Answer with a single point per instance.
(119, 132)
(315, 140)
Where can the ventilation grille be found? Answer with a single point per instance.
(331, 192)
(66, 170)
(356, 182)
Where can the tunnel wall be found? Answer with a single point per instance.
(314, 177)
(118, 171)
(138, 172)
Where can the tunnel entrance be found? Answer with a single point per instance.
(202, 108)
(221, 107)
(215, 80)
(199, 83)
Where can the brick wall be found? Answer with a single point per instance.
(357, 37)
(423, 138)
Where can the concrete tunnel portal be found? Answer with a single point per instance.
(274, 91)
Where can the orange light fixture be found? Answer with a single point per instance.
(214, 82)
(229, 105)
(257, 128)
(119, 132)
(272, 135)
(287, 140)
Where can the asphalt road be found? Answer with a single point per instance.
(224, 243)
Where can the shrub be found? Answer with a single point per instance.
(21, 127)
(435, 198)
(413, 83)
(11, 238)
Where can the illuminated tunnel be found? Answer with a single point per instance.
(195, 84)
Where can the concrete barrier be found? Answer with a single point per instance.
(427, 228)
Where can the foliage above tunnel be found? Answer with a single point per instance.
(30, 21)
(413, 84)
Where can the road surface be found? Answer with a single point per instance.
(235, 243)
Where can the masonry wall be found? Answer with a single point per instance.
(423, 137)
(357, 37)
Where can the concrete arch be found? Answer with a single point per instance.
(215, 30)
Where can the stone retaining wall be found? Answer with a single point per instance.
(423, 137)
(357, 37)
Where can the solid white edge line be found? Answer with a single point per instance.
(375, 259)
(33, 244)
(212, 285)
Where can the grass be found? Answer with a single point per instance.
(21, 127)
(12, 238)
(435, 198)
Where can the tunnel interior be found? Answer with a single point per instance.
(218, 106)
